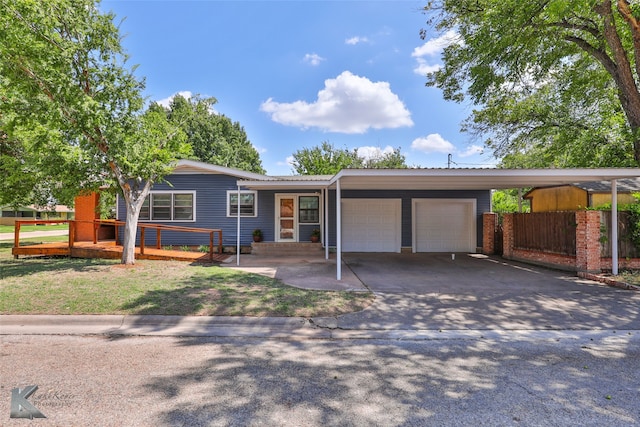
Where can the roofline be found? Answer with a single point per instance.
(208, 167)
(595, 173)
(283, 183)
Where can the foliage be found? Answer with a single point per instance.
(65, 91)
(214, 137)
(555, 82)
(506, 201)
(634, 217)
(326, 159)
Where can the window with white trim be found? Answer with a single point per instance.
(248, 203)
(309, 210)
(168, 206)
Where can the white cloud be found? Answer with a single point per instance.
(424, 68)
(472, 150)
(347, 104)
(368, 152)
(167, 101)
(433, 143)
(432, 49)
(313, 59)
(287, 162)
(355, 40)
(260, 150)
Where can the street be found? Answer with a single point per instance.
(549, 379)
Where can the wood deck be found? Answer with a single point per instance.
(109, 250)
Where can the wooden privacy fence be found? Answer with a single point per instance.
(545, 231)
(626, 248)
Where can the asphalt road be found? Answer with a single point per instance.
(568, 379)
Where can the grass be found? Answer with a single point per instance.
(631, 277)
(95, 286)
(26, 228)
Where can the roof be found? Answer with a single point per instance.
(446, 179)
(185, 167)
(627, 185)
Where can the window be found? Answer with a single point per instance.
(248, 205)
(309, 209)
(164, 206)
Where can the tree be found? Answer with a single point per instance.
(325, 159)
(67, 95)
(546, 74)
(389, 160)
(214, 137)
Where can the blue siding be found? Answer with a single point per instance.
(483, 204)
(211, 212)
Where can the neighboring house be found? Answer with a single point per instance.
(382, 210)
(581, 195)
(9, 215)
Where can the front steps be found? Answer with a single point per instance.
(288, 248)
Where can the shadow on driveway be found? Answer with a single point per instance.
(434, 291)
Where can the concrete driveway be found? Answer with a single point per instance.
(436, 292)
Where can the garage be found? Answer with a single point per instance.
(371, 225)
(444, 225)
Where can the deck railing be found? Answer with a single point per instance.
(159, 227)
(115, 223)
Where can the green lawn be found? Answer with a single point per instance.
(90, 286)
(26, 228)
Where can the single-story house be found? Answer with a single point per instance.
(581, 195)
(9, 215)
(357, 210)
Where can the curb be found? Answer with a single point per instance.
(292, 328)
(608, 280)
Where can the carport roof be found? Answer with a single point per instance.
(443, 179)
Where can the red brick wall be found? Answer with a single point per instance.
(588, 249)
(489, 220)
(588, 241)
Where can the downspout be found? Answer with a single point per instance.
(614, 227)
(238, 231)
(325, 233)
(338, 232)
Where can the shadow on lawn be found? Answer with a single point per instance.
(21, 267)
(212, 294)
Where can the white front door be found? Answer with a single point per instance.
(286, 218)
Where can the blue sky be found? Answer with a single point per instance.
(297, 73)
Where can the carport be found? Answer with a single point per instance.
(442, 181)
(467, 179)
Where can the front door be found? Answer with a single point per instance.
(286, 218)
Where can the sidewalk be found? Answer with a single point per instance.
(28, 234)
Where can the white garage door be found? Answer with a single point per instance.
(371, 225)
(444, 225)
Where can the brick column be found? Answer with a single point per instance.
(507, 236)
(588, 241)
(489, 233)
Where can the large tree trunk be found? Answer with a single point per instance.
(129, 240)
(133, 199)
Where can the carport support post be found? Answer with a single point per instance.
(325, 232)
(338, 232)
(614, 227)
(238, 231)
